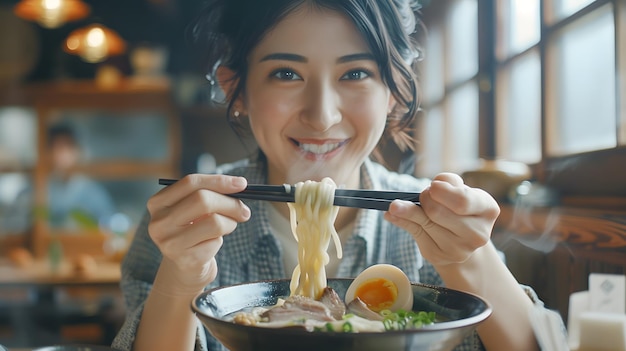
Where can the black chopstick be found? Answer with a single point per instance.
(368, 199)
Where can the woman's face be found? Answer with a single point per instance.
(315, 99)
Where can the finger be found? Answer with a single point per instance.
(212, 227)
(172, 194)
(436, 243)
(201, 203)
(412, 227)
(419, 215)
(451, 178)
(414, 214)
(202, 255)
(471, 230)
(461, 199)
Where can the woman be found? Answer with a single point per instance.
(319, 82)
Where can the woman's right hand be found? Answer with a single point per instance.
(188, 220)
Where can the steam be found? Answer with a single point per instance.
(529, 197)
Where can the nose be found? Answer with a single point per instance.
(321, 109)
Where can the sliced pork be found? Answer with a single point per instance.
(297, 308)
(359, 308)
(335, 304)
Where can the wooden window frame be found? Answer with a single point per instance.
(596, 177)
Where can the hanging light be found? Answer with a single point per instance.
(94, 43)
(51, 13)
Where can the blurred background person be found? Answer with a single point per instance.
(74, 201)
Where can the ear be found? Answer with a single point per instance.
(391, 103)
(228, 82)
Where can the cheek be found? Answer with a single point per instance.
(369, 115)
(267, 111)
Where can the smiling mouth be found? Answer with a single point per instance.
(319, 149)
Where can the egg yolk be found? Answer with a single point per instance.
(377, 293)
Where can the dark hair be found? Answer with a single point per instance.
(62, 130)
(230, 29)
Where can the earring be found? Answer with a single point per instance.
(236, 113)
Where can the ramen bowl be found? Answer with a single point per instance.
(74, 348)
(459, 314)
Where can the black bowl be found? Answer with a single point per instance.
(461, 311)
(75, 348)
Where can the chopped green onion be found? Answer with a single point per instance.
(385, 312)
(329, 327)
(347, 327)
(402, 320)
(388, 324)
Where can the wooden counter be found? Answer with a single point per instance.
(40, 273)
(41, 306)
(554, 249)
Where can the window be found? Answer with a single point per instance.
(518, 81)
(580, 76)
(546, 85)
(18, 154)
(448, 131)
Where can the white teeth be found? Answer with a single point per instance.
(319, 149)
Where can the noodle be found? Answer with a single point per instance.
(312, 217)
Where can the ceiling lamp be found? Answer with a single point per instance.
(51, 13)
(94, 43)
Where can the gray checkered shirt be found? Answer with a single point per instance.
(253, 253)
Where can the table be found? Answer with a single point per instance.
(40, 274)
(36, 295)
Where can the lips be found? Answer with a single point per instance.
(318, 148)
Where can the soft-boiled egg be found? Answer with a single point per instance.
(382, 287)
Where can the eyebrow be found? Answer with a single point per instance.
(300, 58)
(356, 57)
(283, 56)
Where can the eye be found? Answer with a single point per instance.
(285, 74)
(356, 75)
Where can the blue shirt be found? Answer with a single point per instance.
(252, 252)
(71, 204)
(77, 196)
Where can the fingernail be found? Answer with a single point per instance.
(246, 211)
(399, 207)
(239, 181)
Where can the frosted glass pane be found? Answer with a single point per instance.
(583, 73)
(104, 135)
(519, 110)
(565, 8)
(433, 66)
(10, 186)
(519, 21)
(432, 143)
(462, 49)
(462, 131)
(18, 137)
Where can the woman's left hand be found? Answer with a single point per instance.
(453, 221)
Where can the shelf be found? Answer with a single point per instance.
(126, 169)
(52, 101)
